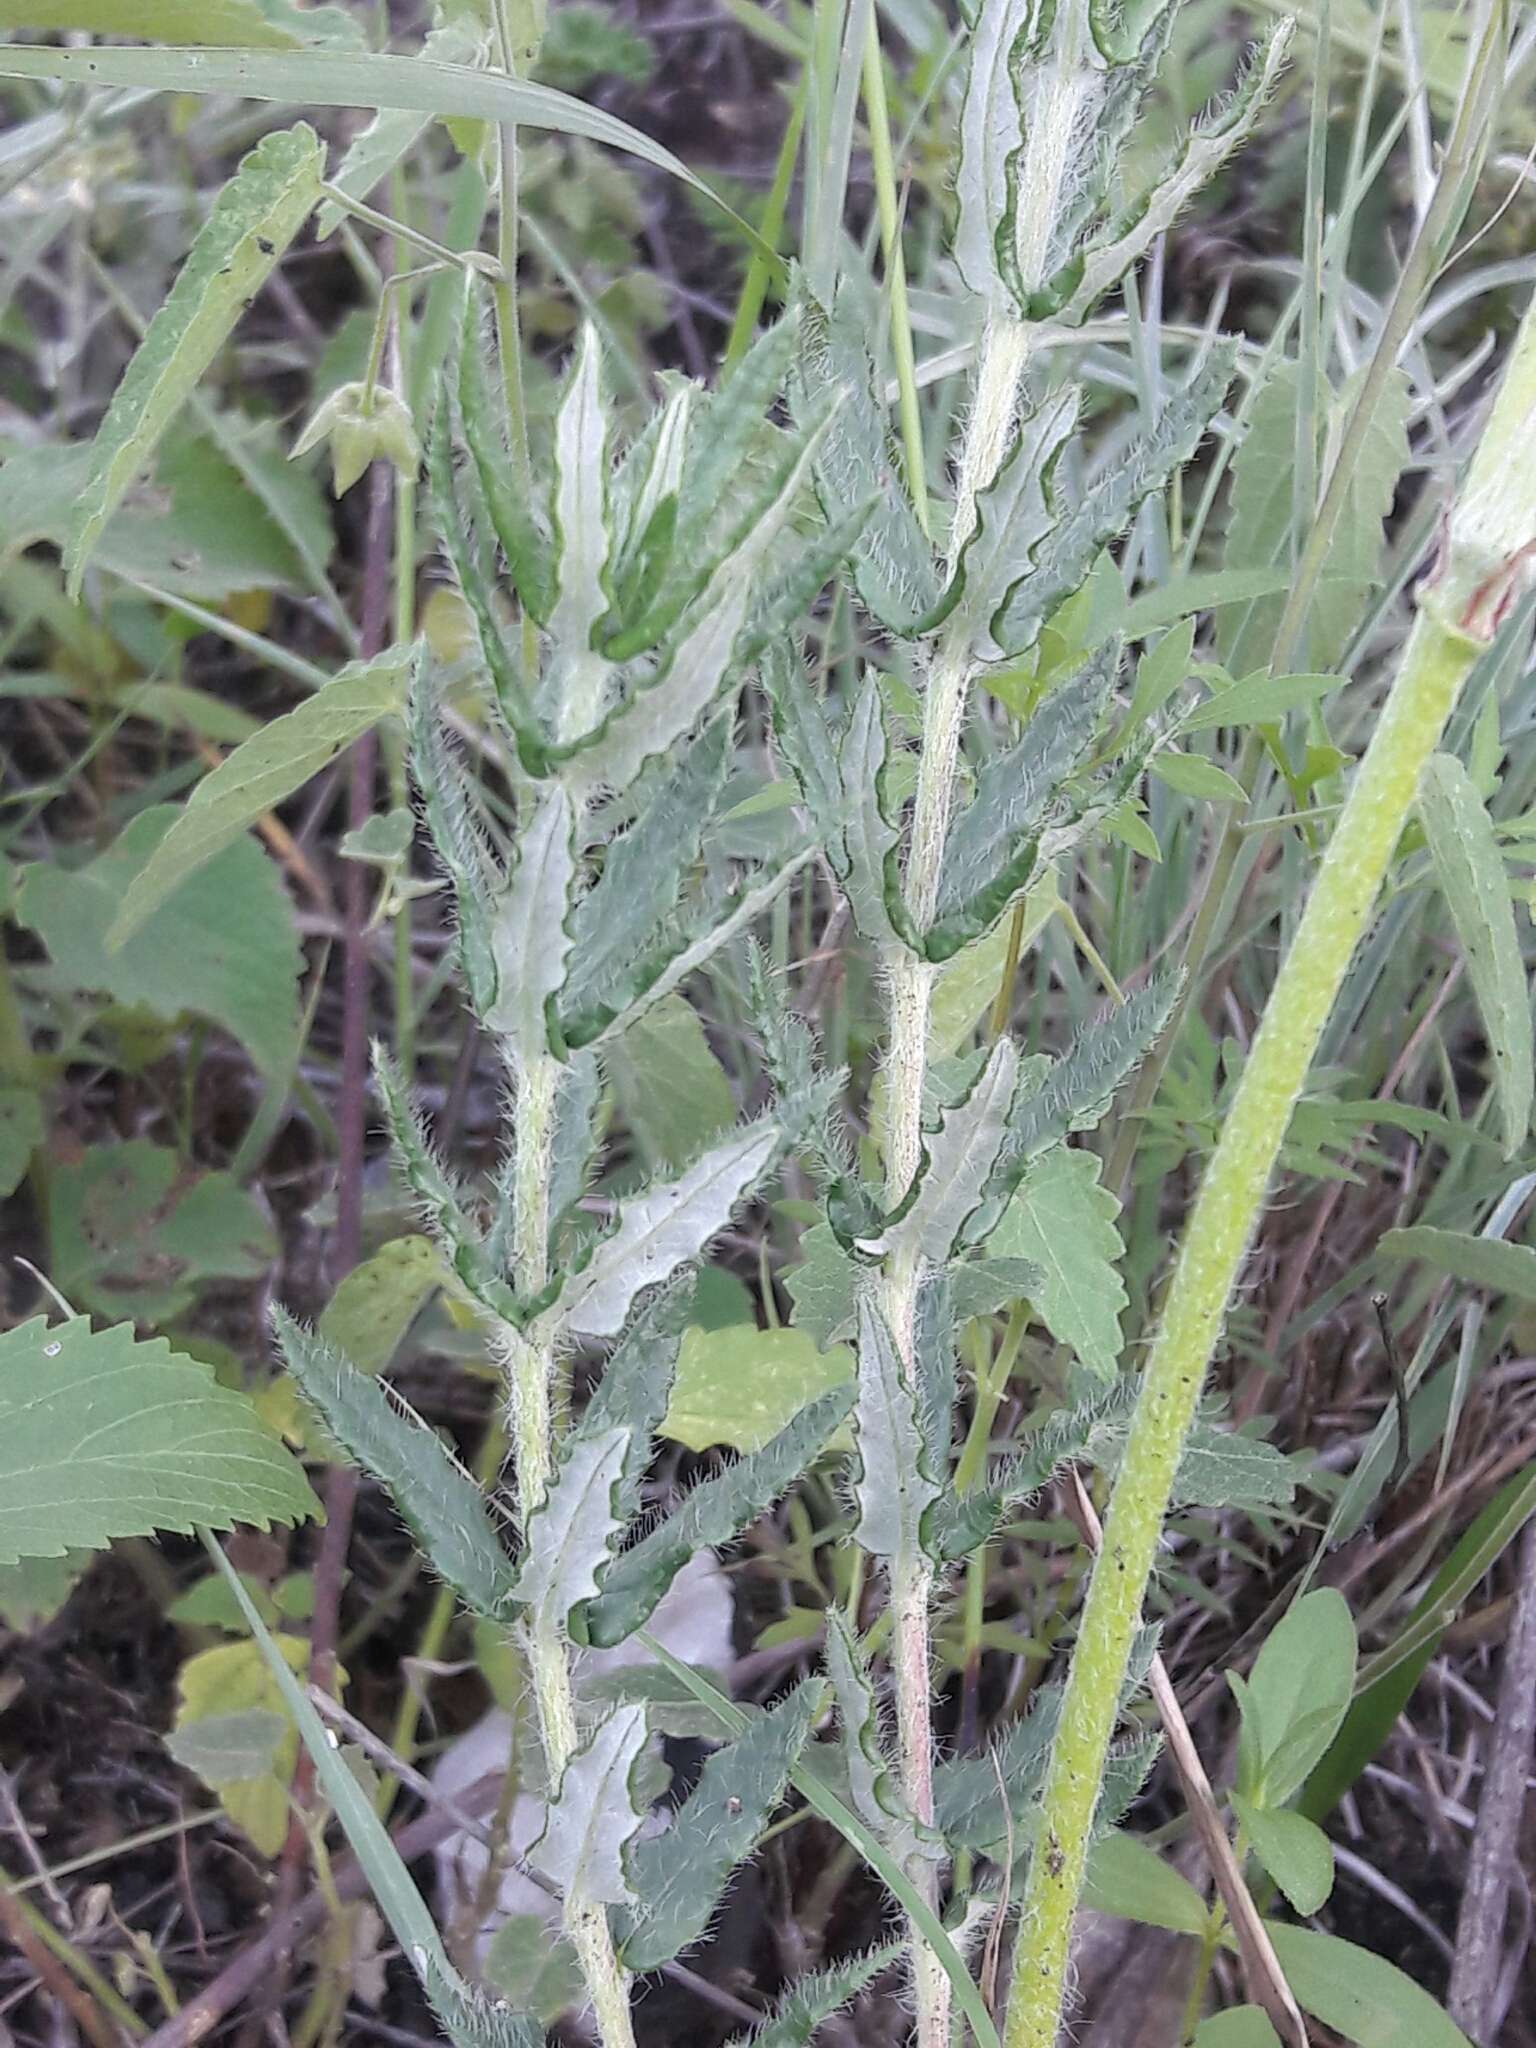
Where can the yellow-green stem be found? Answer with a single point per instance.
(1489, 536)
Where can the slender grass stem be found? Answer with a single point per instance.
(1489, 541)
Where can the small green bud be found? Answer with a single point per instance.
(361, 425)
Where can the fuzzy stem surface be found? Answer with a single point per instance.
(1489, 537)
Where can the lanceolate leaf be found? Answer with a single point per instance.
(857, 466)
(893, 1490)
(992, 850)
(811, 2000)
(1079, 1087)
(262, 772)
(575, 680)
(1472, 878)
(636, 1385)
(959, 1162)
(625, 929)
(715, 1512)
(1065, 557)
(572, 1531)
(459, 842)
(593, 1814)
(253, 220)
(873, 1790)
(679, 1875)
(989, 133)
(661, 1229)
(102, 1436)
(444, 1508)
(861, 839)
(1016, 511)
(528, 936)
(520, 521)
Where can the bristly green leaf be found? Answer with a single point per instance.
(857, 467)
(812, 2000)
(626, 928)
(593, 1814)
(894, 1489)
(253, 220)
(662, 1228)
(636, 1384)
(1016, 511)
(873, 1789)
(715, 1512)
(1078, 1089)
(992, 851)
(520, 521)
(860, 839)
(439, 1501)
(1473, 881)
(459, 841)
(264, 770)
(958, 1161)
(804, 734)
(1064, 558)
(463, 522)
(529, 935)
(102, 1436)
(679, 1875)
(1108, 255)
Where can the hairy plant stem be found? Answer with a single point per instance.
(1490, 537)
(910, 984)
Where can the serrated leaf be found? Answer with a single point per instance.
(1015, 512)
(102, 1436)
(958, 1161)
(812, 2000)
(1472, 879)
(625, 929)
(1294, 1850)
(992, 851)
(1222, 1468)
(529, 937)
(714, 1512)
(1065, 557)
(893, 1491)
(572, 1531)
(990, 131)
(441, 1504)
(637, 1382)
(1078, 1089)
(593, 1814)
(254, 218)
(857, 467)
(873, 1790)
(968, 1792)
(662, 1228)
(260, 774)
(1064, 1223)
(1091, 1430)
(229, 930)
(458, 840)
(678, 1875)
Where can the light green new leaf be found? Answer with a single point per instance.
(260, 774)
(673, 1093)
(436, 1497)
(1472, 878)
(1296, 1695)
(1064, 1223)
(593, 1813)
(1240, 2026)
(1294, 1850)
(894, 1489)
(1361, 1996)
(1486, 1262)
(678, 1875)
(662, 1228)
(741, 1385)
(1127, 1877)
(229, 932)
(101, 1436)
(254, 218)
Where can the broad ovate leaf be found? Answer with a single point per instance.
(102, 1436)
